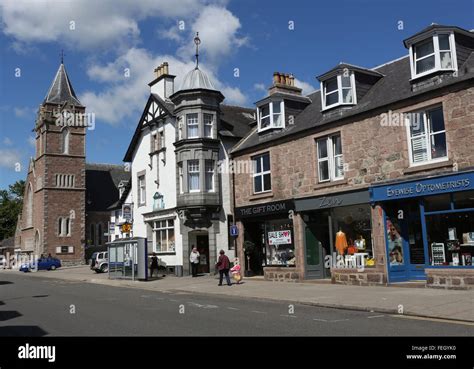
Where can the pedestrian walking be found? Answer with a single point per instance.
(194, 259)
(223, 265)
(154, 265)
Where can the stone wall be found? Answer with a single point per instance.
(450, 278)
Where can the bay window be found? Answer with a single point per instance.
(427, 136)
(209, 175)
(208, 123)
(330, 158)
(261, 173)
(338, 90)
(434, 54)
(271, 115)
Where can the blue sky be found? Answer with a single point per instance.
(103, 38)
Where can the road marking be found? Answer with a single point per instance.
(338, 320)
(203, 306)
(320, 320)
(173, 300)
(258, 312)
(375, 316)
(438, 320)
(231, 308)
(288, 316)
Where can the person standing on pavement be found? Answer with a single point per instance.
(194, 259)
(223, 265)
(154, 265)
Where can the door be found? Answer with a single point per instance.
(404, 241)
(313, 255)
(202, 244)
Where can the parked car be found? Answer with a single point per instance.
(100, 262)
(3, 262)
(41, 264)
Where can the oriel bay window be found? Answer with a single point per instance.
(330, 158)
(433, 54)
(271, 115)
(261, 173)
(338, 90)
(209, 175)
(208, 123)
(164, 235)
(427, 136)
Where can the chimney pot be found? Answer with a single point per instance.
(165, 68)
(287, 79)
(276, 78)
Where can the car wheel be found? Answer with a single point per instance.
(104, 268)
(53, 267)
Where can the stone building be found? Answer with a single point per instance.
(179, 197)
(64, 196)
(370, 179)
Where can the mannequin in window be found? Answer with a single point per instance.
(360, 243)
(341, 242)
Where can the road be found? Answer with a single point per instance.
(51, 307)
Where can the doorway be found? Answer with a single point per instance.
(317, 246)
(202, 244)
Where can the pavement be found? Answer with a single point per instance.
(451, 305)
(37, 306)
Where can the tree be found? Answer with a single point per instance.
(11, 203)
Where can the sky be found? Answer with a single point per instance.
(112, 46)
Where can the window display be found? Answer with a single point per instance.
(280, 248)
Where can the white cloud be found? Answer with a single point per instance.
(7, 141)
(32, 141)
(23, 112)
(259, 87)
(9, 158)
(87, 23)
(307, 87)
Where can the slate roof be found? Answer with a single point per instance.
(61, 90)
(102, 182)
(238, 118)
(393, 87)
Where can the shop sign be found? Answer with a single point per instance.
(433, 186)
(324, 202)
(277, 207)
(279, 238)
(127, 212)
(126, 228)
(111, 227)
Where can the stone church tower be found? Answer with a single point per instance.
(53, 216)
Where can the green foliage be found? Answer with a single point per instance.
(11, 202)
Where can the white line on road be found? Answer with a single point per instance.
(231, 308)
(320, 320)
(375, 316)
(288, 316)
(258, 312)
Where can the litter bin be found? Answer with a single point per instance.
(178, 270)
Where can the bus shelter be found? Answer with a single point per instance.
(128, 259)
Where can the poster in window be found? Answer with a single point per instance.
(279, 238)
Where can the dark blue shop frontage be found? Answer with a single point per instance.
(429, 225)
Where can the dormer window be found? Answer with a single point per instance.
(271, 115)
(338, 90)
(432, 55)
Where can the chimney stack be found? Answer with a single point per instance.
(163, 84)
(284, 82)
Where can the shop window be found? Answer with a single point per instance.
(450, 238)
(437, 203)
(261, 173)
(427, 136)
(280, 247)
(464, 200)
(330, 158)
(164, 236)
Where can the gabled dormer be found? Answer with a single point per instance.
(280, 107)
(438, 49)
(345, 84)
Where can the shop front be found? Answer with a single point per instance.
(338, 240)
(267, 240)
(429, 229)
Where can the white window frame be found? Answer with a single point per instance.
(262, 173)
(157, 227)
(208, 125)
(65, 140)
(428, 135)
(141, 182)
(331, 158)
(271, 115)
(339, 91)
(189, 163)
(437, 54)
(193, 124)
(209, 164)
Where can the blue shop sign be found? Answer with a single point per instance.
(424, 187)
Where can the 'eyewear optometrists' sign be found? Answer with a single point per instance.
(270, 208)
(432, 186)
